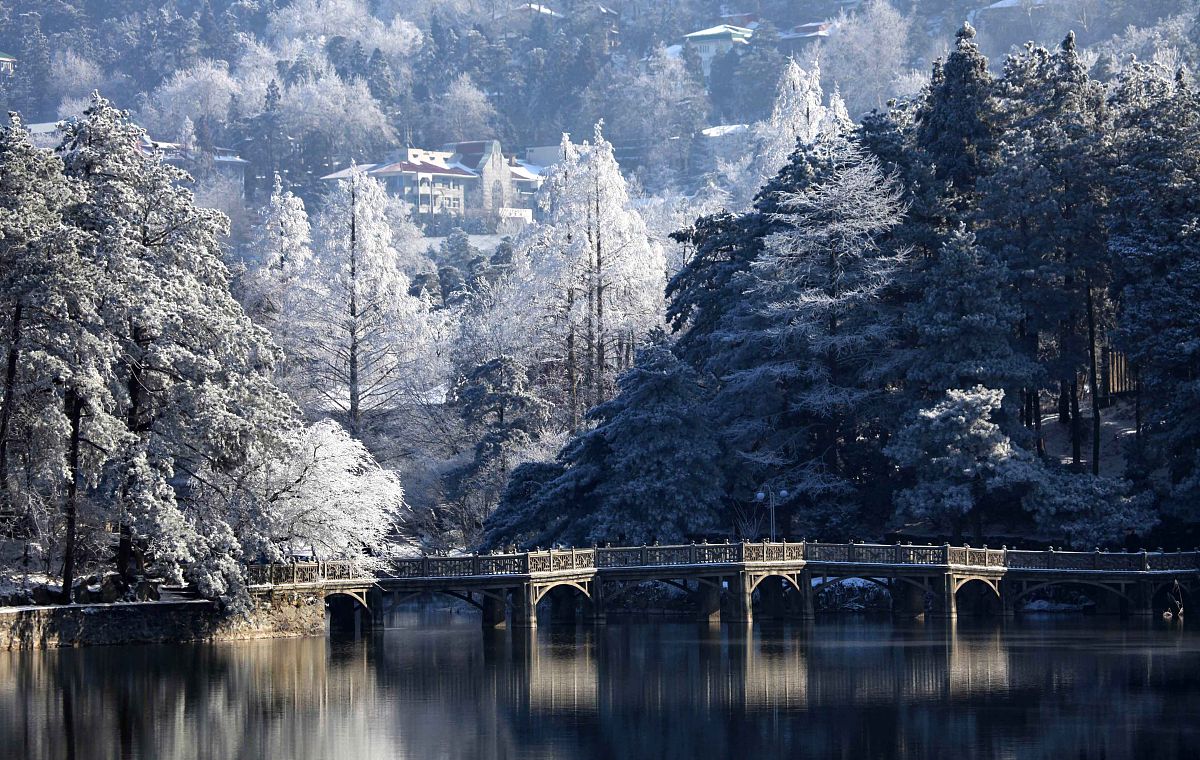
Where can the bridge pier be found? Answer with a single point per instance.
(524, 606)
(494, 610)
(1008, 598)
(808, 609)
(595, 608)
(742, 610)
(376, 609)
(708, 598)
(908, 600)
(949, 599)
(1142, 597)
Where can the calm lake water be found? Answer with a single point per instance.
(438, 688)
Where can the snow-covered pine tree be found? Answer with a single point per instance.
(57, 422)
(279, 254)
(192, 382)
(798, 116)
(960, 459)
(1156, 249)
(814, 302)
(957, 122)
(1044, 215)
(647, 472)
(965, 326)
(502, 411)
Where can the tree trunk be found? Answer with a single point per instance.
(1037, 422)
(1076, 428)
(9, 400)
(1137, 410)
(355, 400)
(74, 409)
(601, 359)
(1064, 404)
(1091, 320)
(132, 421)
(572, 362)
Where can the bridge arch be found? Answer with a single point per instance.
(881, 582)
(541, 590)
(1113, 589)
(1160, 600)
(977, 595)
(347, 610)
(792, 579)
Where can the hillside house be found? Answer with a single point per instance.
(793, 41)
(472, 179)
(715, 41)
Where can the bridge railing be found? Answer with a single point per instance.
(299, 573)
(559, 560)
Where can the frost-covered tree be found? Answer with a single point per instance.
(1086, 510)
(647, 472)
(814, 328)
(279, 254)
(326, 494)
(867, 54)
(1156, 247)
(960, 459)
(57, 425)
(965, 325)
(192, 383)
(957, 123)
(1043, 212)
(464, 112)
(362, 340)
(798, 117)
(502, 410)
(599, 278)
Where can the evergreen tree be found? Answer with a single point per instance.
(192, 383)
(499, 405)
(57, 423)
(965, 325)
(29, 89)
(647, 472)
(813, 333)
(960, 459)
(957, 123)
(1156, 246)
(280, 256)
(1044, 213)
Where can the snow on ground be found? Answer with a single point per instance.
(1116, 429)
(1046, 605)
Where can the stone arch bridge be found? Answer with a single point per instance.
(509, 587)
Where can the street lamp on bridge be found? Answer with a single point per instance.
(769, 495)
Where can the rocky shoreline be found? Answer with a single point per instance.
(274, 615)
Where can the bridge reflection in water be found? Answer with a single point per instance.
(436, 688)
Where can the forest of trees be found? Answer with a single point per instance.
(890, 330)
(965, 307)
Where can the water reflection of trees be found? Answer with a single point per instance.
(841, 688)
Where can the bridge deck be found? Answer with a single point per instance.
(720, 560)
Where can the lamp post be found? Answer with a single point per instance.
(769, 496)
